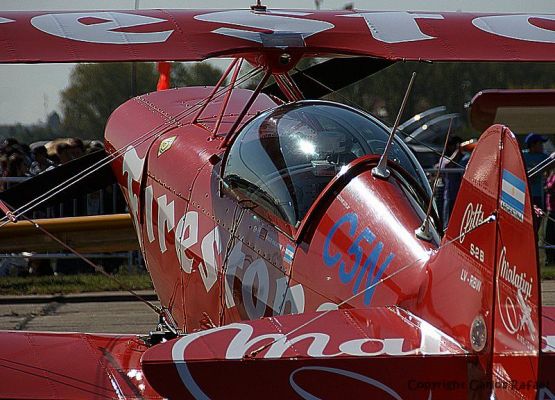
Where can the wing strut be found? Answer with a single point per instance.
(248, 105)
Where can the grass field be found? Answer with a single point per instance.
(548, 272)
(65, 284)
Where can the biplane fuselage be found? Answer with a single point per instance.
(285, 262)
(213, 255)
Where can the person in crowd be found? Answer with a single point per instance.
(95, 145)
(16, 168)
(550, 228)
(41, 161)
(533, 156)
(76, 148)
(64, 153)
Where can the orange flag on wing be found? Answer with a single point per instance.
(164, 68)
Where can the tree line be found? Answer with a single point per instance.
(96, 90)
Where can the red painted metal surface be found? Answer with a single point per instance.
(231, 265)
(155, 35)
(327, 355)
(364, 234)
(72, 366)
(463, 309)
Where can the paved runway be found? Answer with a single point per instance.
(109, 313)
(115, 313)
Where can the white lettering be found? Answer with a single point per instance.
(5, 20)
(106, 29)
(235, 261)
(327, 306)
(464, 274)
(187, 223)
(258, 271)
(396, 26)
(516, 27)
(133, 167)
(211, 246)
(512, 318)
(512, 277)
(549, 344)
(263, 21)
(243, 342)
(316, 348)
(473, 216)
(149, 196)
(166, 219)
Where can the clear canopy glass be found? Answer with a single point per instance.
(283, 158)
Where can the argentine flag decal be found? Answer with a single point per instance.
(513, 195)
(289, 252)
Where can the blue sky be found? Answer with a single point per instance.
(29, 92)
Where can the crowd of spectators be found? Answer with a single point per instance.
(18, 160)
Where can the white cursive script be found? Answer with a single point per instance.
(472, 218)
(244, 341)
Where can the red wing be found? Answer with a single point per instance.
(37, 365)
(154, 35)
(374, 353)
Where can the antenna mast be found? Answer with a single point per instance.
(258, 6)
(381, 170)
(423, 232)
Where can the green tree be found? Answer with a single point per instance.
(96, 90)
(194, 74)
(450, 84)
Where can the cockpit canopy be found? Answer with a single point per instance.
(283, 158)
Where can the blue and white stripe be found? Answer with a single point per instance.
(289, 252)
(513, 194)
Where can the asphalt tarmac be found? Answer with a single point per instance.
(108, 312)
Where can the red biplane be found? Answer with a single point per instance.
(289, 260)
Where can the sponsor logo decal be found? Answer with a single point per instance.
(336, 371)
(245, 340)
(472, 217)
(513, 195)
(165, 145)
(358, 270)
(515, 309)
(110, 27)
(282, 30)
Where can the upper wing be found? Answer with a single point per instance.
(154, 35)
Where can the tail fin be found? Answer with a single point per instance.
(483, 286)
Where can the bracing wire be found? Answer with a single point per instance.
(253, 353)
(155, 132)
